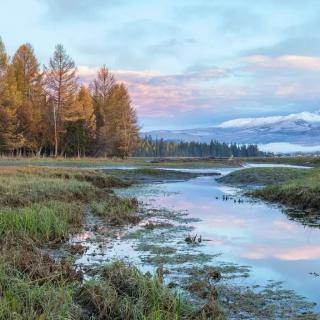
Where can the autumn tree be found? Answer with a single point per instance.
(3, 70)
(80, 124)
(47, 113)
(61, 88)
(29, 81)
(10, 98)
(121, 123)
(101, 89)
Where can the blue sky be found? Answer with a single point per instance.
(187, 63)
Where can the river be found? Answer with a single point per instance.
(267, 249)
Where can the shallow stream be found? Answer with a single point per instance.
(254, 244)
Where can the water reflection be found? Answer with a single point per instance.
(250, 233)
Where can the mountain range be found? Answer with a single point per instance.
(294, 132)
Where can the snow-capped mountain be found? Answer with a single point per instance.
(301, 129)
(311, 117)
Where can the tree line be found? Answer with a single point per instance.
(149, 147)
(46, 111)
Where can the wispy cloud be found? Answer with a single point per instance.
(288, 62)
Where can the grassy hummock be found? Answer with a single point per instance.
(122, 292)
(262, 176)
(302, 193)
(117, 211)
(297, 188)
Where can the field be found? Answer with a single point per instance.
(118, 162)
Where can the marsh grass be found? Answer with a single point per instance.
(263, 176)
(148, 175)
(25, 299)
(39, 205)
(302, 193)
(106, 162)
(123, 292)
(22, 186)
(117, 211)
(49, 204)
(42, 221)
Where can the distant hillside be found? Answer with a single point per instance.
(300, 129)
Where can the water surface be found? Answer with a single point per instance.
(242, 231)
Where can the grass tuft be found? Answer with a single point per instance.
(117, 211)
(123, 292)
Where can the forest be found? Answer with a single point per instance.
(160, 148)
(47, 111)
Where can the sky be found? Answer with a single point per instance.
(187, 63)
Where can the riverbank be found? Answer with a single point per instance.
(152, 175)
(292, 187)
(307, 161)
(187, 163)
(41, 208)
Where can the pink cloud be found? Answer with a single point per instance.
(293, 62)
(255, 82)
(154, 94)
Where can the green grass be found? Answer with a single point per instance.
(149, 175)
(42, 204)
(302, 193)
(106, 162)
(117, 211)
(49, 204)
(25, 299)
(118, 292)
(300, 161)
(263, 176)
(23, 187)
(42, 222)
(123, 292)
(298, 188)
